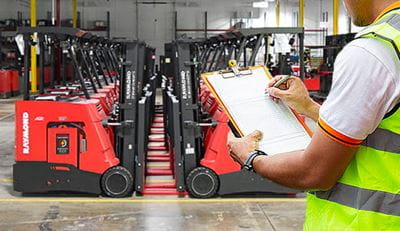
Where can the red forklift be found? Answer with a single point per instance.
(65, 141)
(196, 127)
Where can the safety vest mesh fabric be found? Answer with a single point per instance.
(367, 196)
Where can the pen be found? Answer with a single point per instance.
(282, 80)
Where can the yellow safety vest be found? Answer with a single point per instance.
(367, 196)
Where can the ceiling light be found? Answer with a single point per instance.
(263, 4)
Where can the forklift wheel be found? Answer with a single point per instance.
(202, 183)
(117, 182)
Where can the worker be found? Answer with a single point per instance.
(350, 169)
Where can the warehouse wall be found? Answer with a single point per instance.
(9, 8)
(156, 21)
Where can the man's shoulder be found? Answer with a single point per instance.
(374, 47)
(371, 52)
(366, 43)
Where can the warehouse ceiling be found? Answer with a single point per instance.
(182, 3)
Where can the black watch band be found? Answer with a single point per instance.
(248, 164)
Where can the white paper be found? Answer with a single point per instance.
(251, 109)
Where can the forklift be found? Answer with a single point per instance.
(67, 137)
(197, 128)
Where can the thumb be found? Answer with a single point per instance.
(231, 137)
(276, 92)
(256, 135)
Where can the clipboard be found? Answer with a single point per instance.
(244, 100)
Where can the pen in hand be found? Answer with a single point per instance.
(283, 79)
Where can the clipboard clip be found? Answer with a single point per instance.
(234, 71)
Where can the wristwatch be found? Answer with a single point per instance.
(248, 164)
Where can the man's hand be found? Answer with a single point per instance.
(294, 94)
(240, 148)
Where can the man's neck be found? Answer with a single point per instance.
(381, 7)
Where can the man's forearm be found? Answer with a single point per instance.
(287, 169)
(312, 110)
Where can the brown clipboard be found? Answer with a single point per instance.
(205, 77)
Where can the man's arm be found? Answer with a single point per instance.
(318, 167)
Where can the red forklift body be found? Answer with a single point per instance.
(15, 82)
(5, 84)
(105, 102)
(216, 156)
(61, 146)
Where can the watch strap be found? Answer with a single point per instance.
(248, 165)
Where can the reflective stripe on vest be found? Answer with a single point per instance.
(368, 200)
(386, 29)
(383, 140)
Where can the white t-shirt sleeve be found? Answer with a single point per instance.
(363, 91)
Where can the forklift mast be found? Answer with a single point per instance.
(186, 87)
(126, 133)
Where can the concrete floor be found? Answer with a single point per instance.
(66, 212)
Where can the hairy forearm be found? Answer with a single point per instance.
(288, 169)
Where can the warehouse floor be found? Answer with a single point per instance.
(82, 212)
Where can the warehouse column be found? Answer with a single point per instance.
(278, 13)
(74, 13)
(301, 13)
(53, 11)
(33, 49)
(335, 17)
(58, 13)
(205, 25)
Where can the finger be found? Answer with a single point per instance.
(274, 98)
(286, 85)
(231, 136)
(292, 81)
(282, 86)
(256, 135)
(274, 80)
(276, 92)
